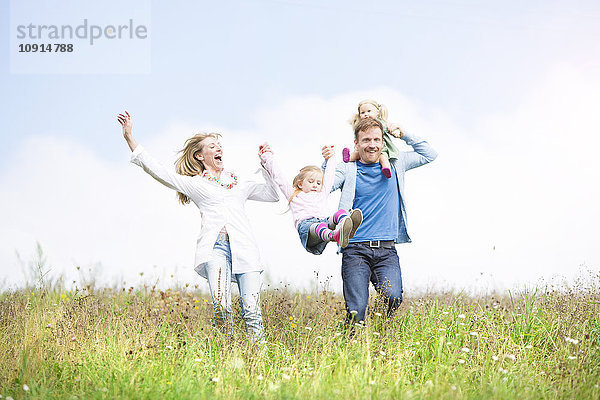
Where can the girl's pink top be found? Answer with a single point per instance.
(304, 205)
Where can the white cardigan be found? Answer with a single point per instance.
(219, 207)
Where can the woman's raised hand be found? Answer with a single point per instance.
(125, 121)
(327, 152)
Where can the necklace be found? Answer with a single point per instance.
(234, 179)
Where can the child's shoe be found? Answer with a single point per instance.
(346, 154)
(341, 234)
(356, 217)
(386, 172)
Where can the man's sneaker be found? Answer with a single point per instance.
(356, 217)
(341, 234)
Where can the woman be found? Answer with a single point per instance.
(220, 197)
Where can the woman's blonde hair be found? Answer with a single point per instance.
(382, 110)
(187, 163)
(304, 172)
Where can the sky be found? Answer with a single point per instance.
(507, 92)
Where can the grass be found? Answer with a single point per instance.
(145, 343)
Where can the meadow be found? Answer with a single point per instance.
(126, 342)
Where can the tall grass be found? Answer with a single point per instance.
(146, 343)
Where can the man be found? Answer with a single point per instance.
(371, 254)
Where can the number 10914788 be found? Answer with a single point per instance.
(46, 48)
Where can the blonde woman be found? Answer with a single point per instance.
(220, 196)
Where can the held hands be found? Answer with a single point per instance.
(264, 148)
(327, 152)
(125, 121)
(395, 130)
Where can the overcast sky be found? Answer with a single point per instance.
(507, 92)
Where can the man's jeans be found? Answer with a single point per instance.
(361, 264)
(218, 272)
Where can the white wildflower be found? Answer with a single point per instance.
(504, 379)
(236, 363)
(26, 388)
(572, 341)
(198, 360)
(372, 382)
(461, 361)
(286, 377)
(572, 358)
(259, 378)
(381, 352)
(495, 358)
(529, 346)
(462, 316)
(429, 384)
(378, 314)
(308, 328)
(169, 347)
(465, 349)
(453, 387)
(214, 379)
(376, 333)
(474, 334)
(510, 357)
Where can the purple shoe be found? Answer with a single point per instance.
(346, 154)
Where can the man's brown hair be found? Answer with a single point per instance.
(365, 124)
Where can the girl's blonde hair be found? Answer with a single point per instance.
(382, 110)
(304, 172)
(187, 163)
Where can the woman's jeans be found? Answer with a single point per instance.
(218, 271)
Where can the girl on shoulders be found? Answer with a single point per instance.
(372, 109)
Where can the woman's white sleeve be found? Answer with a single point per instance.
(181, 183)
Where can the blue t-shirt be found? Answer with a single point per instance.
(378, 199)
